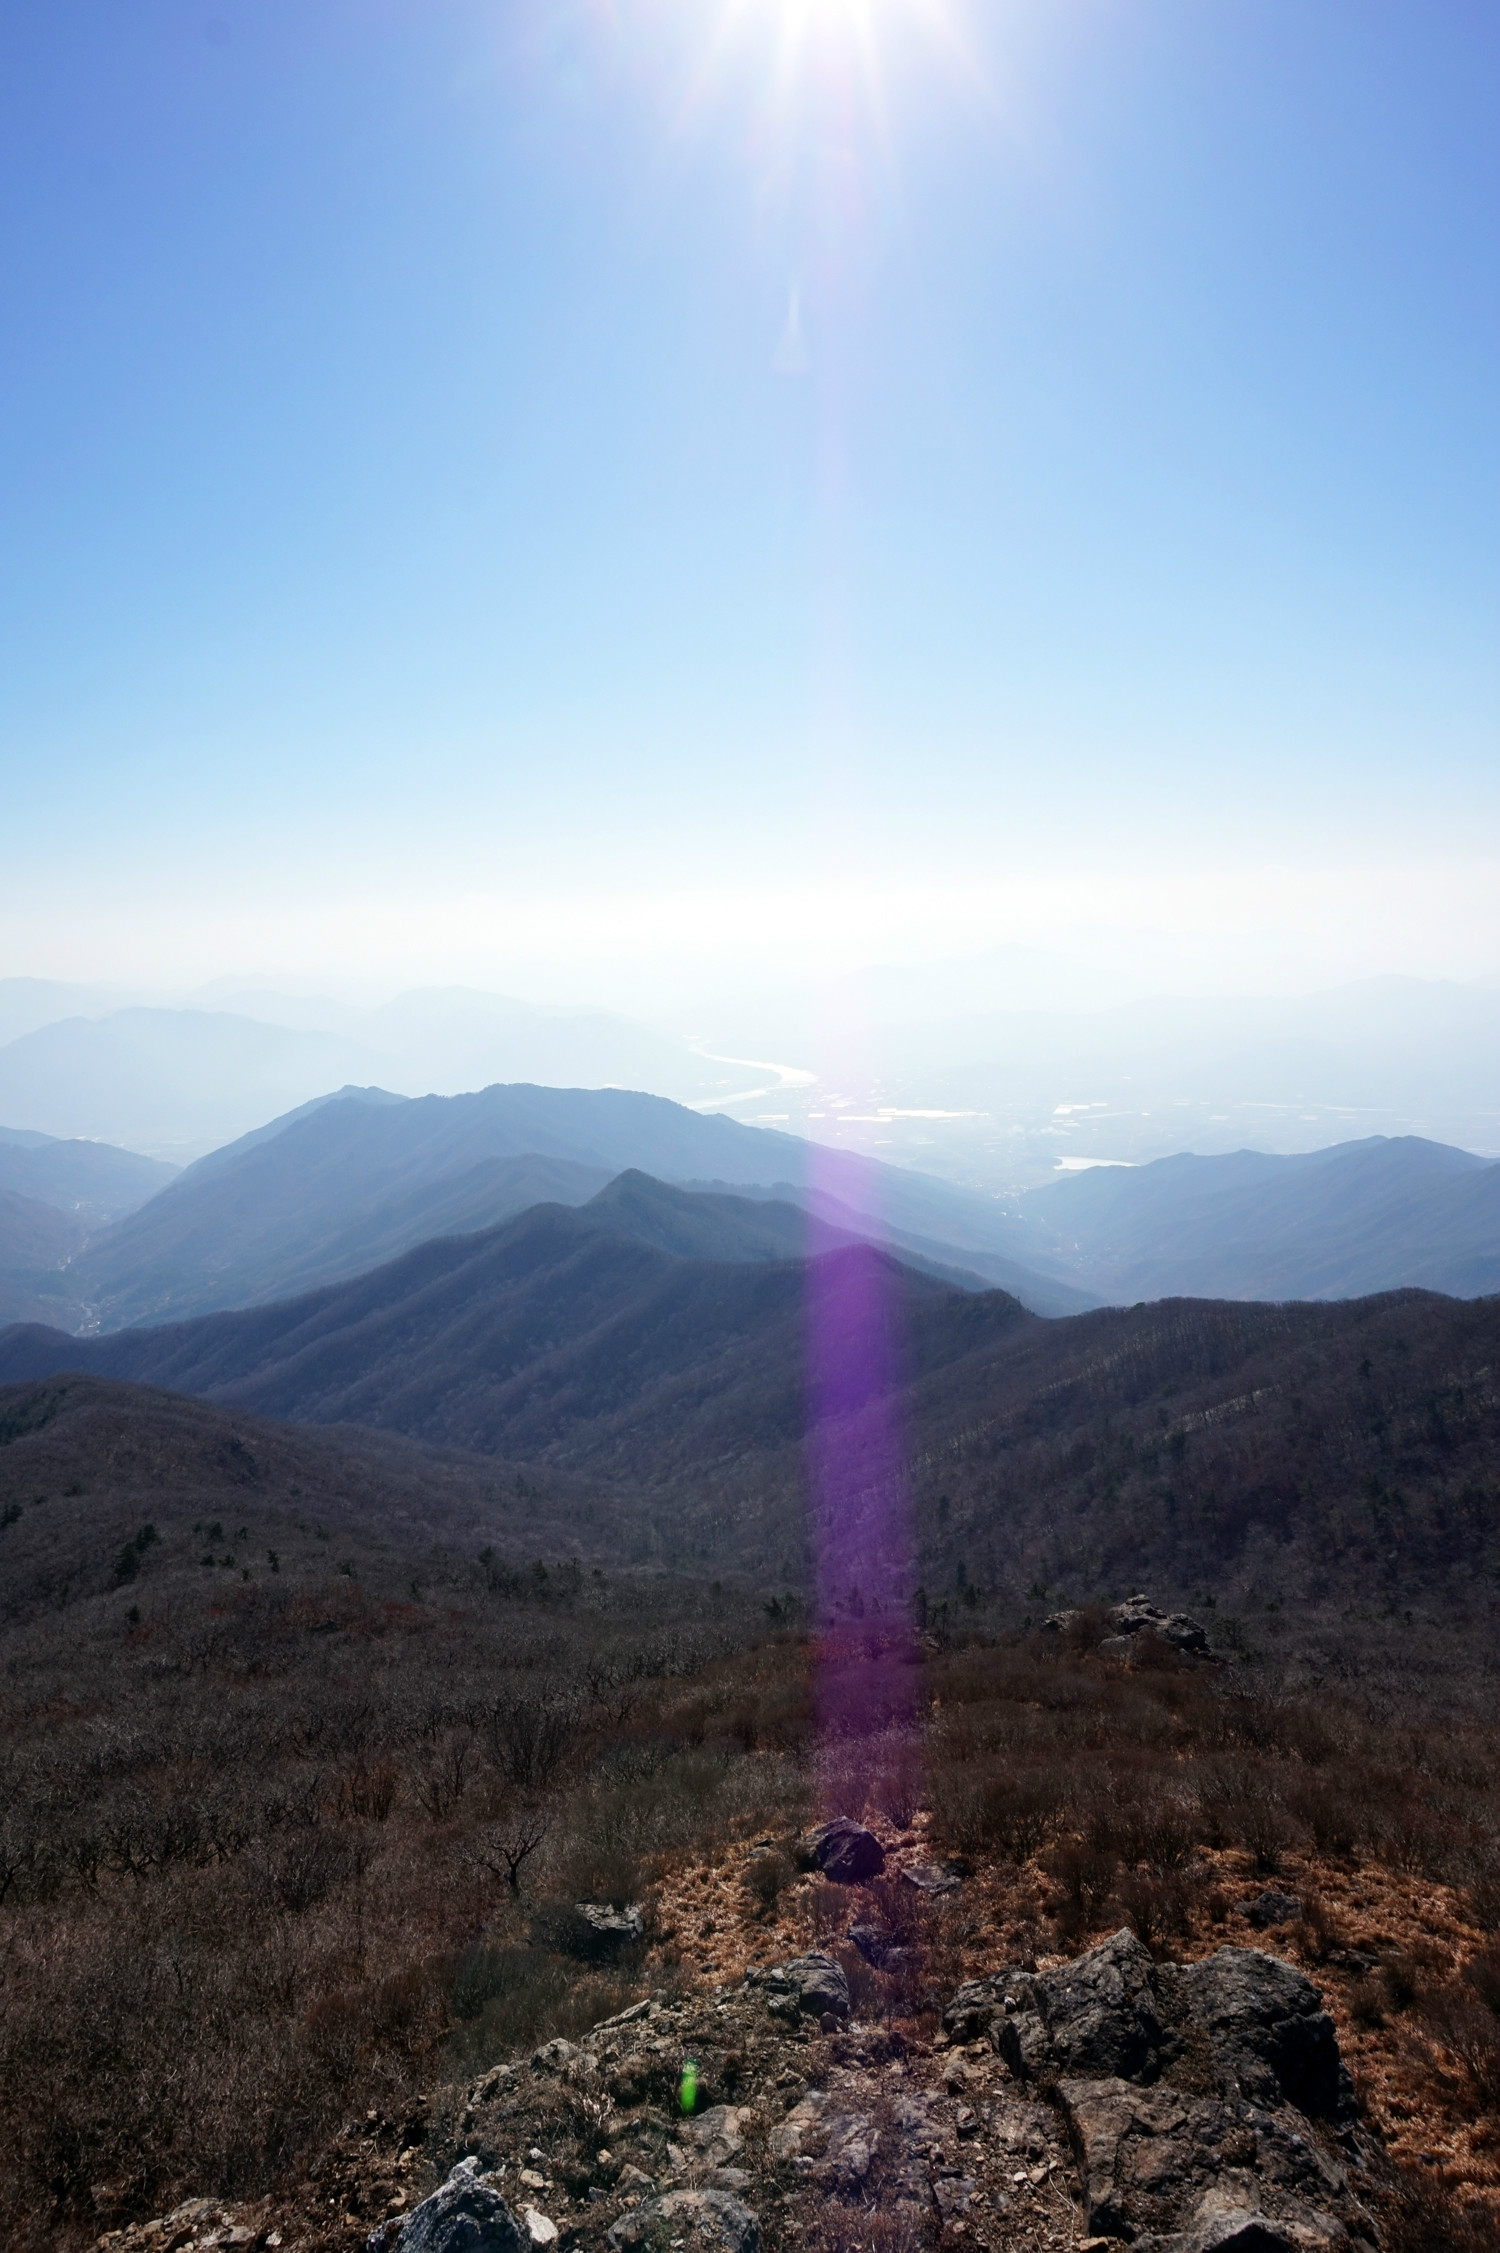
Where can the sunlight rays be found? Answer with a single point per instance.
(790, 55)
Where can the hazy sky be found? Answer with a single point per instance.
(521, 490)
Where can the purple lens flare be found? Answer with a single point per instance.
(868, 1679)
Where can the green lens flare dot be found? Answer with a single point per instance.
(687, 2087)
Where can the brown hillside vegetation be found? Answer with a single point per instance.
(259, 1847)
(312, 1741)
(257, 1841)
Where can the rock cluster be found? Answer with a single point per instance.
(1179, 2108)
(1139, 1616)
(1271, 1908)
(1197, 2108)
(1204, 2103)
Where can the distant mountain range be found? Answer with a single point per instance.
(341, 1185)
(178, 1082)
(93, 1237)
(338, 1186)
(1366, 1216)
(983, 1072)
(174, 1082)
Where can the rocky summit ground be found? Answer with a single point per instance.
(1198, 2108)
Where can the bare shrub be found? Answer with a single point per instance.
(505, 1998)
(869, 1994)
(243, 1864)
(766, 1877)
(898, 1788)
(1147, 1828)
(529, 1736)
(1084, 1876)
(1367, 2003)
(439, 1786)
(1329, 1815)
(1464, 2015)
(1482, 1889)
(982, 1813)
(1154, 1907)
(1419, 2213)
(1264, 1830)
(839, 2228)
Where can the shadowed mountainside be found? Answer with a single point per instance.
(609, 1333)
(1339, 1455)
(36, 1243)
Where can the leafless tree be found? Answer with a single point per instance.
(506, 1847)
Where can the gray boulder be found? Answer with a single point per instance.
(1271, 1908)
(1271, 2039)
(845, 1852)
(1097, 2016)
(1192, 2094)
(811, 1986)
(709, 2221)
(1139, 2151)
(1222, 2228)
(1147, 2156)
(464, 2216)
(980, 2004)
(880, 1949)
(934, 1877)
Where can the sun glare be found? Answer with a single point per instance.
(793, 56)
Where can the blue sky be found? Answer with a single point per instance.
(425, 554)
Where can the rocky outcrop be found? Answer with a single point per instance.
(1157, 2167)
(605, 1930)
(1097, 2015)
(1139, 1616)
(1269, 2036)
(711, 2220)
(880, 1948)
(1197, 2108)
(1202, 2101)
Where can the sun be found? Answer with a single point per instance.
(803, 40)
